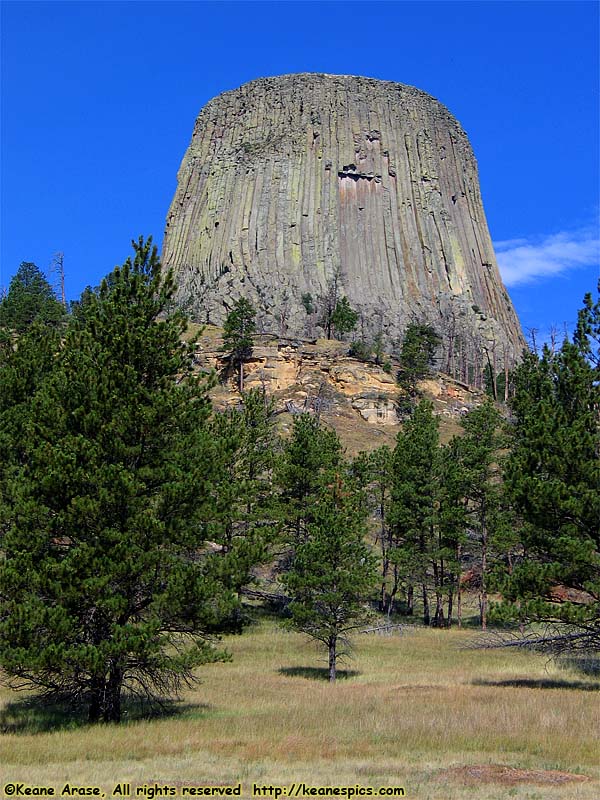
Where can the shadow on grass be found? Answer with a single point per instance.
(540, 683)
(317, 673)
(34, 715)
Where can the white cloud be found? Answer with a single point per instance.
(525, 260)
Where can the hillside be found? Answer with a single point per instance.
(355, 398)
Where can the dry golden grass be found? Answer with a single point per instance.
(417, 711)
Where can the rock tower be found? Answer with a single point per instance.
(306, 184)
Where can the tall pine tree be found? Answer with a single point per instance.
(240, 512)
(374, 471)
(553, 479)
(105, 583)
(478, 475)
(414, 501)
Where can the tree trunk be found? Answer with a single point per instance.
(393, 592)
(385, 562)
(458, 587)
(483, 592)
(97, 691)
(426, 615)
(383, 595)
(450, 606)
(385, 566)
(114, 686)
(410, 600)
(241, 378)
(332, 658)
(438, 617)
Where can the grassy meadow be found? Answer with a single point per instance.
(416, 709)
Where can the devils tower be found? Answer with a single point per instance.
(296, 184)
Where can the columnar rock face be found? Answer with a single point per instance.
(294, 184)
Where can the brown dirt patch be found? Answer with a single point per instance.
(509, 776)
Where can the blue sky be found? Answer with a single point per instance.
(99, 101)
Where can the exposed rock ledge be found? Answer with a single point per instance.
(320, 376)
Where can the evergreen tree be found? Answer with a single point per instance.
(238, 330)
(30, 298)
(452, 531)
(344, 317)
(379, 349)
(310, 457)
(374, 473)
(414, 501)
(553, 479)
(328, 302)
(307, 302)
(587, 333)
(476, 455)
(25, 362)
(417, 354)
(333, 571)
(105, 584)
(240, 510)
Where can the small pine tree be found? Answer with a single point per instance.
(333, 572)
(29, 299)
(379, 349)
(238, 330)
(360, 350)
(417, 355)
(307, 302)
(344, 317)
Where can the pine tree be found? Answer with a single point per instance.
(105, 583)
(333, 571)
(25, 362)
(553, 480)
(328, 303)
(240, 513)
(237, 335)
(310, 456)
(476, 454)
(452, 530)
(414, 500)
(344, 317)
(417, 354)
(29, 299)
(374, 473)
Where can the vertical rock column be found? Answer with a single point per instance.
(292, 182)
